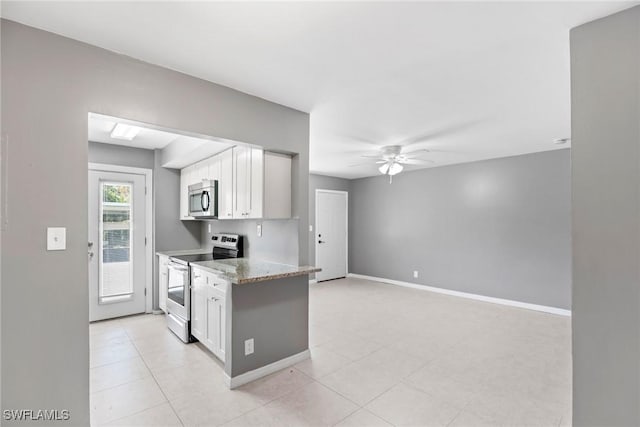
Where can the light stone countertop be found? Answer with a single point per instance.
(184, 252)
(244, 270)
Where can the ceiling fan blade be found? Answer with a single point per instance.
(441, 132)
(381, 161)
(415, 161)
(359, 164)
(421, 151)
(371, 156)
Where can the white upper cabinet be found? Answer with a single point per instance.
(252, 183)
(277, 186)
(186, 179)
(248, 177)
(225, 185)
(256, 184)
(201, 171)
(213, 167)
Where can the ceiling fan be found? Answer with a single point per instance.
(392, 160)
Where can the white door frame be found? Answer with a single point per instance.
(148, 175)
(346, 213)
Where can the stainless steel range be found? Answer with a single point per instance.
(179, 293)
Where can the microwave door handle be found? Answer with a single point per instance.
(205, 196)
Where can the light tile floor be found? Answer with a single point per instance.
(381, 355)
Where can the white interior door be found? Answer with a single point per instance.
(331, 234)
(117, 264)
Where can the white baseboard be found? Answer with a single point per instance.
(536, 307)
(247, 377)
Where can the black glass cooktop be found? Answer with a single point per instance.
(193, 258)
(186, 259)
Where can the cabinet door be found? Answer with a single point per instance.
(222, 325)
(211, 332)
(241, 181)
(225, 185)
(163, 282)
(184, 193)
(213, 168)
(216, 322)
(277, 186)
(202, 171)
(199, 296)
(256, 183)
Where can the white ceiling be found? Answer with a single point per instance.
(470, 80)
(183, 151)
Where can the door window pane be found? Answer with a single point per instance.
(116, 267)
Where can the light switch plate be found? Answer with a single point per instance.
(56, 238)
(259, 230)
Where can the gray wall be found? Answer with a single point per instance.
(275, 314)
(605, 112)
(499, 228)
(120, 155)
(170, 233)
(321, 182)
(49, 84)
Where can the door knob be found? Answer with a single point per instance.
(321, 241)
(90, 255)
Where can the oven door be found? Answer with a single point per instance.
(199, 203)
(178, 295)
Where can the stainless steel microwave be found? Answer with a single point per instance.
(203, 199)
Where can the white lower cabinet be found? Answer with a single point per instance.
(216, 323)
(163, 281)
(208, 310)
(199, 311)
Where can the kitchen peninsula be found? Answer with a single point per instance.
(252, 314)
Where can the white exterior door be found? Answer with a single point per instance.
(117, 255)
(331, 234)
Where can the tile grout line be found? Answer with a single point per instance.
(274, 399)
(158, 384)
(151, 375)
(136, 413)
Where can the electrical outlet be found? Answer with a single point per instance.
(248, 347)
(259, 230)
(415, 274)
(310, 227)
(209, 228)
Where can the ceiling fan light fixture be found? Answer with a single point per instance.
(395, 168)
(384, 168)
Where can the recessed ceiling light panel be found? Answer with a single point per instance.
(125, 132)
